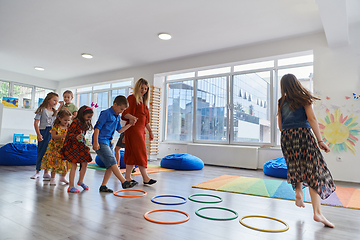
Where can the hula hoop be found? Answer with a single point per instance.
(208, 195)
(168, 210)
(130, 190)
(264, 230)
(153, 200)
(220, 219)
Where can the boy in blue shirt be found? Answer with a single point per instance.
(105, 127)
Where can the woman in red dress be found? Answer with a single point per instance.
(137, 114)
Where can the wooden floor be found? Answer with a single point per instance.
(32, 209)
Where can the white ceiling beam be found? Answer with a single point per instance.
(334, 18)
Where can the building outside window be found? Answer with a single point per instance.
(235, 104)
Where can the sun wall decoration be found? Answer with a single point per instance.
(339, 132)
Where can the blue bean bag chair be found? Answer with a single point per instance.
(182, 161)
(276, 168)
(15, 154)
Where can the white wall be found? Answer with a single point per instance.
(336, 74)
(17, 120)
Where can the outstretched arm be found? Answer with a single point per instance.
(315, 127)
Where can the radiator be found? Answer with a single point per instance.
(225, 155)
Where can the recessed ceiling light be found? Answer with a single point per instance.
(86, 55)
(39, 68)
(164, 36)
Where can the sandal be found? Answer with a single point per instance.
(83, 185)
(105, 189)
(73, 190)
(128, 184)
(150, 182)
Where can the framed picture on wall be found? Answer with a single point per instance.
(10, 102)
(26, 103)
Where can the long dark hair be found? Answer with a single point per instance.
(294, 93)
(85, 125)
(61, 114)
(45, 103)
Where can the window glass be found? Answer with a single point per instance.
(24, 94)
(296, 60)
(102, 100)
(100, 87)
(84, 89)
(83, 99)
(252, 66)
(214, 71)
(4, 89)
(211, 111)
(117, 92)
(179, 109)
(180, 76)
(251, 115)
(40, 94)
(121, 84)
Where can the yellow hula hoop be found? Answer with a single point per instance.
(264, 230)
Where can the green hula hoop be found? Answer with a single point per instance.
(208, 195)
(219, 219)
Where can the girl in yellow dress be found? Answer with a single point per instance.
(52, 159)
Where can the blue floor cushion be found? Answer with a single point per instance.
(14, 154)
(276, 168)
(122, 163)
(182, 161)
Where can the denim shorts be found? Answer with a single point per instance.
(106, 155)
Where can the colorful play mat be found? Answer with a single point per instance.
(342, 197)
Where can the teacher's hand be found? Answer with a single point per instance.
(151, 135)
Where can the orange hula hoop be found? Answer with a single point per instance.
(168, 210)
(129, 190)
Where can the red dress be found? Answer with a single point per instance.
(73, 150)
(135, 148)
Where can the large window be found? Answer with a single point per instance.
(180, 109)
(234, 104)
(211, 109)
(28, 96)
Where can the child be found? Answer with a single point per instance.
(306, 165)
(75, 149)
(52, 159)
(45, 115)
(68, 96)
(108, 122)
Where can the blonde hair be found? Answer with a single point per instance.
(69, 92)
(141, 98)
(294, 93)
(45, 103)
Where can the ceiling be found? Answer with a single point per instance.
(123, 33)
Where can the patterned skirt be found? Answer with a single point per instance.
(304, 161)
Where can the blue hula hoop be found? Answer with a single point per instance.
(154, 201)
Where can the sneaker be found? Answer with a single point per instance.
(150, 182)
(83, 185)
(73, 190)
(128, 184)
(105, 189)
(52, 182)
(35, 176)
(46, 177)
(63, 180)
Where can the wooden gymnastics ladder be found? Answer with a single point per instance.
(152, 147)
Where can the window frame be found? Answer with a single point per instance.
(274, 91)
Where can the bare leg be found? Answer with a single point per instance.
(129, 169)
(82, 171)
(53, 174)
(72, 174)
(117, 155)
(299, 195)
(318, 217)
(107, 176)
(144, 174)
